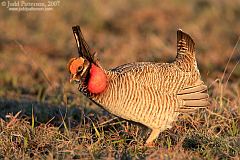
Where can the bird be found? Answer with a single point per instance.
(149, 93)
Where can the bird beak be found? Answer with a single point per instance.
(74, 79)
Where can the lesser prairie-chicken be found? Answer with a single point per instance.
(151, 93)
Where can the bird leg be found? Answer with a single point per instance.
(154, 134)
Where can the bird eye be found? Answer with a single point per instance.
(80, 68)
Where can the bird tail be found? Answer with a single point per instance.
(185, 51)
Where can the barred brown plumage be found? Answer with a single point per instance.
(150, 93)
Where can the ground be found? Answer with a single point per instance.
(43, 116)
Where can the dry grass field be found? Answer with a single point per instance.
(43, 116)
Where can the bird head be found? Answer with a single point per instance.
(78, 68)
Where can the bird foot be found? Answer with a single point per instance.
(150, 144)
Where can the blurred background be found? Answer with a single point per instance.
(35, 46)
(57, 120)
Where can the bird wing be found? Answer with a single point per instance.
(170, 80)
(193, 97)
(163, 77)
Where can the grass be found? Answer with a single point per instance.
(42, 116)
(205, 134)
